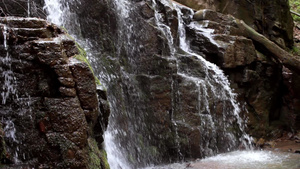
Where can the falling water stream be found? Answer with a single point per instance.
(9, 79)
(9, 92)
(217, 77)
(28, 8)
(215, 83)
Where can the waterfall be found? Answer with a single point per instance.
(55, 11)
(9, 80)
(9, 93)
(128, 141)
(218, 77)
(28, 8)
(60, 14)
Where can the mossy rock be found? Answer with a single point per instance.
(82, 56)
(97, 158)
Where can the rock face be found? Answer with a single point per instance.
(22, 8)
(157, 112)
(160, 110)
(270, 18)
(168, 104)
(255, 76)
(50, 107)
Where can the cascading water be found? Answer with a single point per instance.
(214, 83)
(60, 14)
(131, 139)
(9, 82)
(28, 8)
(8, 93)
(218, 77)
(55, 11)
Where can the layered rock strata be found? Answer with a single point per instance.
(51, 112)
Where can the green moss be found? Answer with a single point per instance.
(82, 57)
(97, 158)
(295, 6)
(104, 159)
(295, 50)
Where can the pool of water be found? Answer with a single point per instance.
(242, 160)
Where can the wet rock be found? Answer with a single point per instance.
(221, 45)
(20, 8)
(238, 51)
(246, 66)
(23, 23)
(69, 47)
(54, 107)
(63, 71)
(86, 90)
(146, 10)
(271, 18)
(270, 144)
(67, 82)
(69, 92)
(198, 4)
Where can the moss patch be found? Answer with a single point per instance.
(82, 57)
(97, 158)
(295, 6)
(295, 50)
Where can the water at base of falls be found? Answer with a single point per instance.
(241, 160)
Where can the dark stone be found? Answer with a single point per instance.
(68, 92)
(270, 18)
(67, 82)
(63, 71)
(85, 89)
(43, 106)
(20, 8)
(71, 47)
(21, 22)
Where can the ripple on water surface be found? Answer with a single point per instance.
(242, 160)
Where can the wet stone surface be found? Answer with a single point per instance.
(51, 104)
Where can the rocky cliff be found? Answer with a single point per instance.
(168, 103)
(161, 98)
(51, 114)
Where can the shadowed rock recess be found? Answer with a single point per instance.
(51, 114)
